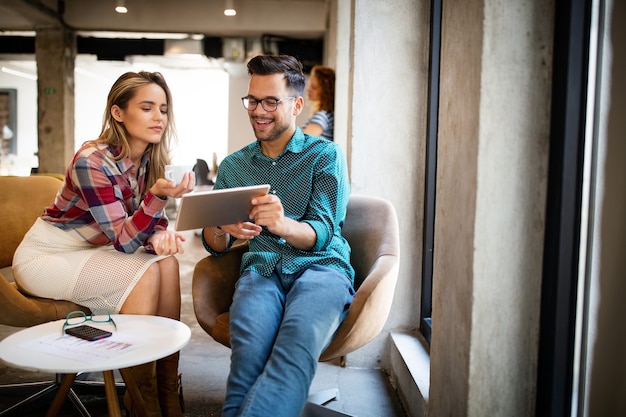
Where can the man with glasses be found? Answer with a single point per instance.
(296, 283)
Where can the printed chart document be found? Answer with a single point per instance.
(70, 347)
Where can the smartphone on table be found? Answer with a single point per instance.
(88, 332)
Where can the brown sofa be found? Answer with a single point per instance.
(22, 200)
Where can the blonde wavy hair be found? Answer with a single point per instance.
(114, 133)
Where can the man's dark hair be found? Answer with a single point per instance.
(279, 64)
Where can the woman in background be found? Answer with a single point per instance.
(103, 243)
(322, 92)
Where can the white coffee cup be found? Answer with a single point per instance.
(175, 173)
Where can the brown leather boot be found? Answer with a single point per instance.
(146, 380)
(169, 386)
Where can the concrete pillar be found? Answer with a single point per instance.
(494, 123)
(55, 53)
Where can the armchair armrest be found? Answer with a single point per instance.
(213, 286)
(368, 311)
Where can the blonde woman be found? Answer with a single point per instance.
(103, 243)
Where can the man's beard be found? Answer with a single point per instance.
(268, 135)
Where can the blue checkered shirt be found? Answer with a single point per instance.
(311, 179)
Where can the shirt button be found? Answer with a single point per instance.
(273, 162)
(273, 191)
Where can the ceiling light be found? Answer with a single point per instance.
(229, 8)
(120, 6)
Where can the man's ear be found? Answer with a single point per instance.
(117, 113)
(297, 109)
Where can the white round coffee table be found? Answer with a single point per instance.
(137, 340)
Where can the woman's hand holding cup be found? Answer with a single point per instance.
(179, 180)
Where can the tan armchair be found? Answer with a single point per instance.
(371, 228)
(22, 200)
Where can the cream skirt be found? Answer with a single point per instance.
(52, 263)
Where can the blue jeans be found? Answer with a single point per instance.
(279, 326)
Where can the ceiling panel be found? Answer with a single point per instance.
(297, 18)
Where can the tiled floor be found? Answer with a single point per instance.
(204, 366)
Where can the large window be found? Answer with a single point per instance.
(569, 211)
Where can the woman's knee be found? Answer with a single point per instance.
(170, 262)
(168, 265)
(169, 269)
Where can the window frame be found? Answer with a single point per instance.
(562, 240)
(430, 186)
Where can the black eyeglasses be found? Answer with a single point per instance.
(268, 104)
(99, 315)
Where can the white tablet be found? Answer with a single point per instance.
(216, 207)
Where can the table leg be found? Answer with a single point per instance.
(111, 392)
(61, 394)
(133, 390)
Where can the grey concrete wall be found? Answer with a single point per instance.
(386, 136)
(492, 171)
